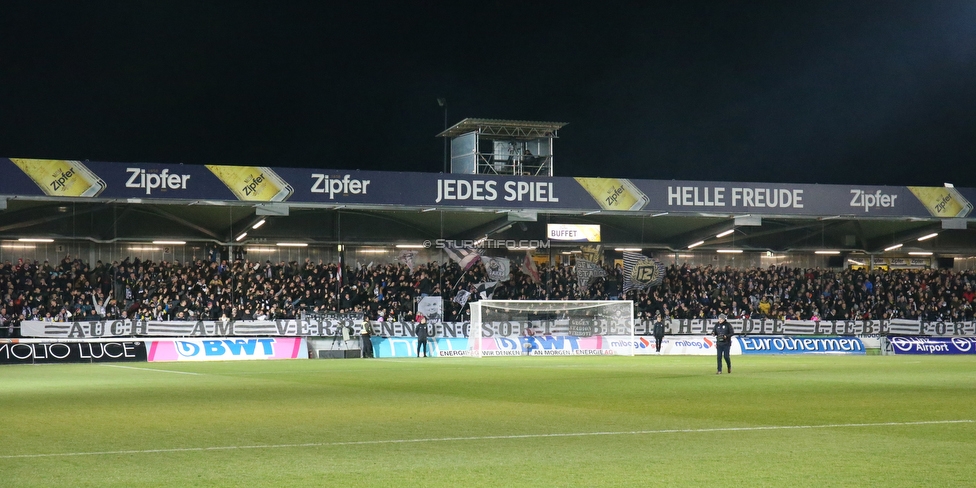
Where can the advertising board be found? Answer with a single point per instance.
(799, 345)
(154, 181)
(933, 345)
(71, 352)
(227, 349)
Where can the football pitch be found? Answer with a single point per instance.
(500, 422)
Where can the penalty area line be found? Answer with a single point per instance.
(482, 438)
(151, 369)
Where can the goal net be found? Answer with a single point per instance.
(551, 328)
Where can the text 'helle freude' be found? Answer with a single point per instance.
(694, 196)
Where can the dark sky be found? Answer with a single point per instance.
(811, 92)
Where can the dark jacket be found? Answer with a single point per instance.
(422, 330)
(723, 332)
(658, 329)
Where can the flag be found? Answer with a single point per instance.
(406, 258)
(339, 271)
(592, 252)
(529, 267)
(486, 290)
(462, 297)
(464, 256)
(587, 271)
(641, 271)
(499, 269)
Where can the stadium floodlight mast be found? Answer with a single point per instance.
(442, 102)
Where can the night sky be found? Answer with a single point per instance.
(809, 92)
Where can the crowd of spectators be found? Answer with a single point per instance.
(252, 290)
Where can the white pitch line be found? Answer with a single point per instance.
(151, 369)
(483, 438)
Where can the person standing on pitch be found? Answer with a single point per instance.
(658, 332)
(366, 333)
(723, 342)
(422, 333)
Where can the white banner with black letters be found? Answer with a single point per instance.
(330, 326)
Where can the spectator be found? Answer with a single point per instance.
(246, 290)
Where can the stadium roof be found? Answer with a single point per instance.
(124, 221)
(145, 202)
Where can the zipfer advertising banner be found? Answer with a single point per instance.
(933, 345)
(800, 345)
(149, 181)
(71, 352)
(227, 349)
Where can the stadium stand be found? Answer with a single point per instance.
(242, 289)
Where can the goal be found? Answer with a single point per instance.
(551, 328)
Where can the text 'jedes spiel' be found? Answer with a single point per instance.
(487, 190)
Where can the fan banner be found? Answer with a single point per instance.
(586, 272)
(431, 307)
(327, 326)
(465, 257)
(529, 268)
(641, 271)
(498, 269)
(462, 297)
(485, 290)
(406, 258)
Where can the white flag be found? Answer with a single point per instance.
(499, 269)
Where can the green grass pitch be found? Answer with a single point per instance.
(499, 422)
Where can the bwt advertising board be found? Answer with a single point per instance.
(392, 347)
(933, 345)
(227, 349)
(150, 181)
(549, 346)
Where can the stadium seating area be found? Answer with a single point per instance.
(72, 289)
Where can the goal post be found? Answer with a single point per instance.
(551, 328)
